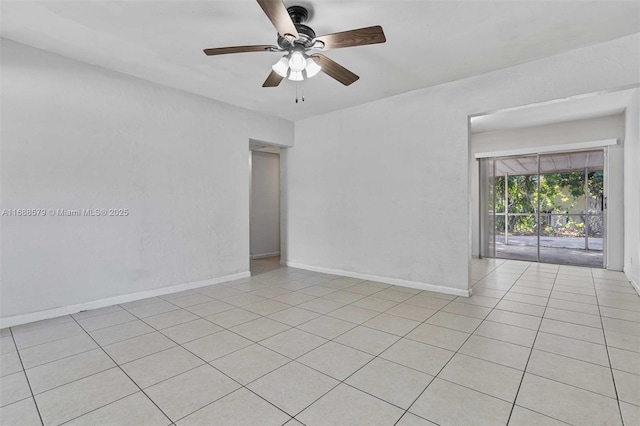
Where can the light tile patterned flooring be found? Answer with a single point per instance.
(536, 345)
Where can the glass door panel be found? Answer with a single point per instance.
(571, 198)
(516, 194)
(487, 208)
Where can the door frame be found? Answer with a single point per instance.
(485, 233)
(273, 149)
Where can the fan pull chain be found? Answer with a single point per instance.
(297, 93)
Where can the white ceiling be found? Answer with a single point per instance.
(428, 42)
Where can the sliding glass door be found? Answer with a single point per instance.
(547, 208)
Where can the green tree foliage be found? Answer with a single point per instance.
(556, 190)
(574, 181)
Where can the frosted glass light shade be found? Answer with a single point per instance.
(297, 61)
(312, 68)
(281, 67)
(296, 76)
(296, 66)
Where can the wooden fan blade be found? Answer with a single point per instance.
(335, 70)
(273, 80)
(359, 37)
(279, 17)
(238, 49)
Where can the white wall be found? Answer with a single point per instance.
(632, 192)
(382, 189)
(265, 204)
(608, 127)
(77, 136)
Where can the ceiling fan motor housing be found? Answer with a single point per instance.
(298, 15)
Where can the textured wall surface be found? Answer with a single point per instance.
(382, 188)
(632, 192)
(75, 136)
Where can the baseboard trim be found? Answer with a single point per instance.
(387, 280)
(263, 255)
(634, 284)
(109, 301)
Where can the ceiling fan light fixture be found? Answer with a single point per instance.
(312, 68)
(281, 67)
(296, 76)
(297, 40)
(297, 61)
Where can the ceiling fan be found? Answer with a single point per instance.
(300, 45)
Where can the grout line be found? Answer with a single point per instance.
(330, 340)
(41, 327)
(613, 377)
(61, 358)
(524, 372)
(361, 367)
(125, 373)
(143, 320)
(570, 385)
(33, 397)
(73, 319)
(271, 279)
(205, 363)
(95, 409)
(463, 343)
(542, 414)
(48, 341)
(102, 328)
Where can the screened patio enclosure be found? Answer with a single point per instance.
(544, 208)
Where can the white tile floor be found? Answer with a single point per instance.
(537, 344)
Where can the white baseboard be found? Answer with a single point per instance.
(263, 255)
(386, 280)
(109, 301)
(635, 285)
